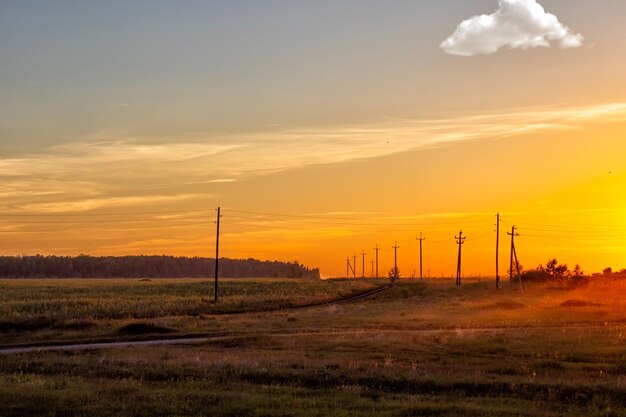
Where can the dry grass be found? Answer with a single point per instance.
(419, 350)
(58, 308)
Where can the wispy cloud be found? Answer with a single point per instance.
(129, 171)
(221, 180)
(89, 204)
(516, 24)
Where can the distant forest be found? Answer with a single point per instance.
(85, 266)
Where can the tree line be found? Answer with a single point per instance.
(86, 266)
(554, 271)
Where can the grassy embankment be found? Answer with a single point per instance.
(417, 350)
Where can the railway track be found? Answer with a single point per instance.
(181, 339)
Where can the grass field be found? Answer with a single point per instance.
(33, 310)
(419, 349)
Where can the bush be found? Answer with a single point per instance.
(535, 275)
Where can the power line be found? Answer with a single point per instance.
(138, 213)
(108, 229)
(265, 226)
(293, 215)
(106, 221)
(550, 226)
(381, 220)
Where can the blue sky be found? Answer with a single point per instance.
(72, 69)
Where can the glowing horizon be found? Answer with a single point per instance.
(318, 141)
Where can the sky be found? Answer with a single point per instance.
(322, 129)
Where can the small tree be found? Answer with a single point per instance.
(555, 270)
(607, 272)
(394, 273)
(577, 272)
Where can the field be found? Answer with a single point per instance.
(418, 349)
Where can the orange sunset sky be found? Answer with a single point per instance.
(321, 128)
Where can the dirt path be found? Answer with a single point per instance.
(199, 339)
(110, 345)
(180, 340)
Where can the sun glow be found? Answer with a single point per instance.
(535, 167)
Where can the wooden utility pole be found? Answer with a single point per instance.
(513, 234)
(363, 264)
(421, 239)
(354, 266)
(395, 260)
(497, 249)
(217, 256)
(376, 249)
(519, 274)
(350, 267)
(460, 240)
(372, 268)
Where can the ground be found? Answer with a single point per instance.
(418, 349)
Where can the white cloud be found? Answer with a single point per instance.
(516, 24)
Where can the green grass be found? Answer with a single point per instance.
(57, 308)
(418, 350)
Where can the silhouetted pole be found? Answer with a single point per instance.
(348, 267)
(395, 260)
(512, 234)
(459, 240)
(354, 266)
(497, 249)
(519, 274)
(372, 268)
(217, 256)
(376, 249)
(421, 239)
(363, 264)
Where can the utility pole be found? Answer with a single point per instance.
(354, 266)
(372, 268)
(421, 239)
(519, 274)
(363, 265)
(459, 241)
(349, 268)
(497, 249)
(395, 260)
(217, 256)
(513, 234)
(377, 249)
